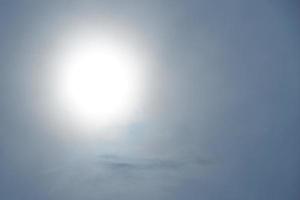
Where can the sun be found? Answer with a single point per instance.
(98, 80)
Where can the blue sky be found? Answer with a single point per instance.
(222, 115)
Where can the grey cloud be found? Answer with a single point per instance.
(221, 119)
(115, 162)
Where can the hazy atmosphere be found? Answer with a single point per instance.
(150, 100)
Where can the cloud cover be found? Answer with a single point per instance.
(221, 120)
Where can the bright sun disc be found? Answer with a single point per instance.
(98, 80)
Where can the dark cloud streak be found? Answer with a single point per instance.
(115, 162)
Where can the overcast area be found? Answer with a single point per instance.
(219, 118)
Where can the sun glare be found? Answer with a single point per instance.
(98, 80)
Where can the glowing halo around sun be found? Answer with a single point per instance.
(98, 80)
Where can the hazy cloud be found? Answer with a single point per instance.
(115, 162)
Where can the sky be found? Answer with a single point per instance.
(220, 119)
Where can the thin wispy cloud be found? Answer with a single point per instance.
(115, 162)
